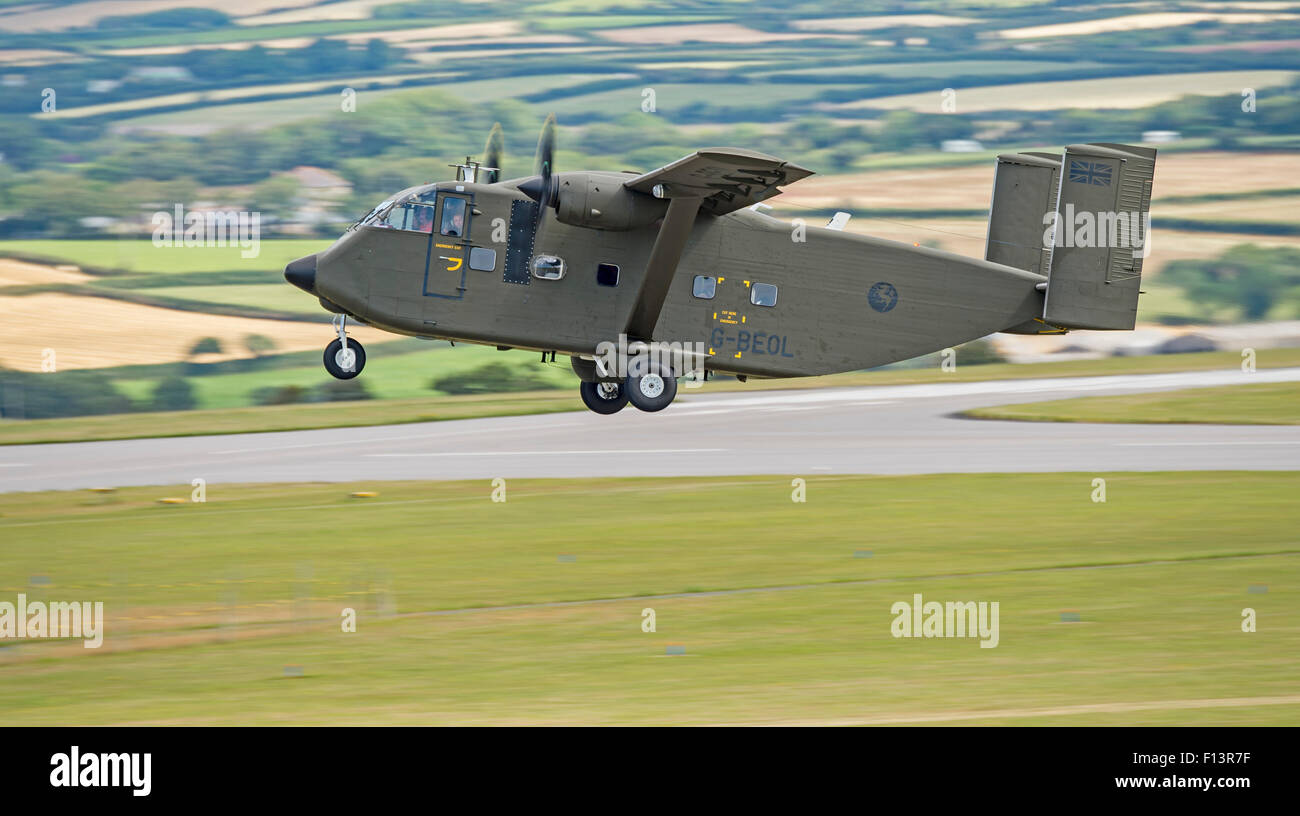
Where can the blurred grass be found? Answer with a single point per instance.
(298, 416)
(273, 296)
(405, 376)
(1265, 404)
(207, 603)
(134, 255)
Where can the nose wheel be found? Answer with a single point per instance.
(344, 358)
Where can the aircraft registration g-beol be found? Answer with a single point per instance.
(678, 268)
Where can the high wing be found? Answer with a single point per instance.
(726, 178)
(715, 180)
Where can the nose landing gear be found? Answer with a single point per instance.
(344, 358)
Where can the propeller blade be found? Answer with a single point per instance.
(542, 186)
(494, 154)
(544, 163)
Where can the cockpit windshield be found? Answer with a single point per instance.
(409, 210)
(373, 214)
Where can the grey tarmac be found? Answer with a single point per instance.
(895, 429)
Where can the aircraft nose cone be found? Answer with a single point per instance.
(302, 273)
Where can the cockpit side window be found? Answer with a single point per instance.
(370, 217)
(454, 217)
(411, 217)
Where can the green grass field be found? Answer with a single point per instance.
(273, 296)
(309, 105)
(293, 417)
(1266, 404)
(142, 256)
(530, 611)
(396, 376)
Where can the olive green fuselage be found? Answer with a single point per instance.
(844, 301)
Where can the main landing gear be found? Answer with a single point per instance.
(649, 386)
(344, 358)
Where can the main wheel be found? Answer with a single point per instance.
(650, 387)
(603, 398)
(345, 363)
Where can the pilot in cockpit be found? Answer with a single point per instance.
(457, 224)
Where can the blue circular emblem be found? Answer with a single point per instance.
(882, 296)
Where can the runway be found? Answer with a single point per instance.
(899, 429)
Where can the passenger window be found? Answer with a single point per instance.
(453, 217)
(705, 287)
(762, 294)
(548, 267)
(607, 274)
(482, 259)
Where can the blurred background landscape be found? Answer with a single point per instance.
(223, 599)
(311, 113)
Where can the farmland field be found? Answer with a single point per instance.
(275, 296)
(94, 332)
(142, 256)
(1097, 94)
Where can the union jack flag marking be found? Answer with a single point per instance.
(1098, 173)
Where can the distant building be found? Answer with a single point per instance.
(960, 146)
(161, 73)
(1161, 136)
(317, 181)
(320, 194)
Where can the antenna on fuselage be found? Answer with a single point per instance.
(470, 170)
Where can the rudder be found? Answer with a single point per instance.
(1100, 237)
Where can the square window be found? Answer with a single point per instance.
(705, 287)
(482, 259)
(762, 294)
(607, 274)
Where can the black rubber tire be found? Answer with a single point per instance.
(651, 387)
(332, 365)
(593, 399)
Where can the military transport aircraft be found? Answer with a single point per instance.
(681, 258)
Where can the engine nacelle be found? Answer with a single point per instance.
(600, 201)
